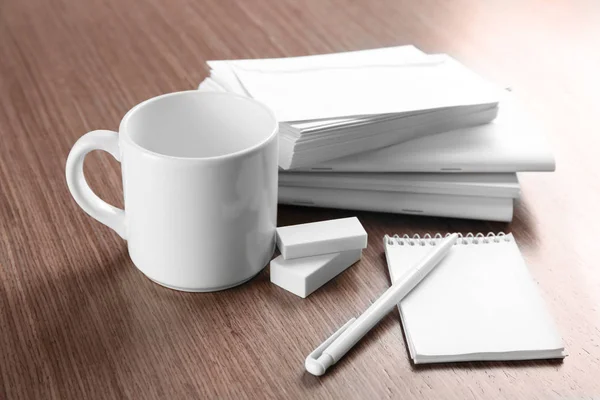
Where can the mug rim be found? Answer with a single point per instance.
(124, 134)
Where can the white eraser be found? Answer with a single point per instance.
(302, 276)
(324, 237)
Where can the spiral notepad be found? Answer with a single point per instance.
(479, 303)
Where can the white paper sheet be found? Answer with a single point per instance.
(325, 93)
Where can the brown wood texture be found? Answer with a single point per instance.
(78, 320)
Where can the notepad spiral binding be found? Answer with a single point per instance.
(469, 238)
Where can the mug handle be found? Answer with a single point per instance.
(108, 141)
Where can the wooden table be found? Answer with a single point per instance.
(78, 320)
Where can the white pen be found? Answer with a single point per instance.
(338, 344)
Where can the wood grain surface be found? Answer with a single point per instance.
(78, 320)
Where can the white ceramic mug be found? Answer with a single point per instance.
(200, 185)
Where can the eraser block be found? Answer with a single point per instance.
(324, 237)
(302, 276)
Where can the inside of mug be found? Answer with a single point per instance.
(198, 125)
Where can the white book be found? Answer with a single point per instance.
(490, 185)
(437, 205)
(479, 304)
(511, 143)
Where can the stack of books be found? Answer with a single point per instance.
(391, 130)
(334, 105)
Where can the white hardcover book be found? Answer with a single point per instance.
(479, 304)
(490, 185)
(471, 207)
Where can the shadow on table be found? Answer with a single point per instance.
(523, 226)
(59, 332)
(94, 328)
(475, 365)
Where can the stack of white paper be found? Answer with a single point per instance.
(335, 105)
(391, 130)
(479, 162)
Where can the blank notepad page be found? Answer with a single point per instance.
(480, 303)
